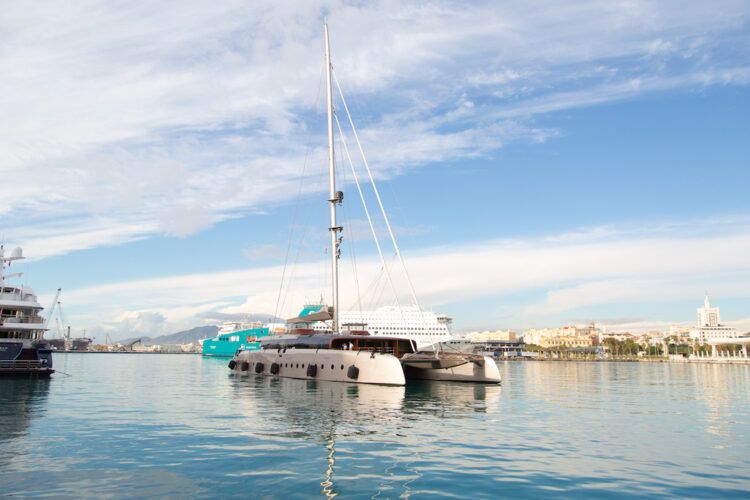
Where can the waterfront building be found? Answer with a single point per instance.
(709, 325)
(570, 336)
(679, 331)
(567, 341)
(501, 348)
(651, 339)
(497, 335)
(620, 337)
(534, 335)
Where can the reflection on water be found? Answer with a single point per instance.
(168, 425)
(22, 400)
(327, 413)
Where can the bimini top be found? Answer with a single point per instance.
(312, 314)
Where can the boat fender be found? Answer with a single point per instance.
(274, 368)
(232, 364)
(258, 367)
(244, 366)
(353, 372)
(312, 370)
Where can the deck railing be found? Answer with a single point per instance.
(14, 320)
(20, 364)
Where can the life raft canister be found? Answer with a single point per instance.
(274, 368)
(232, 364)
(312, 370)
(258, 367)
(353, 372)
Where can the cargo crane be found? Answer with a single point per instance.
(129, 347)
(51, 309)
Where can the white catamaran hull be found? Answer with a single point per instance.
(482, 372)
(362, 367)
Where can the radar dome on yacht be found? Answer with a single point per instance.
(16, 253)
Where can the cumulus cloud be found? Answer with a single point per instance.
(127, 121)
(566, 274)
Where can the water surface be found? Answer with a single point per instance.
(140, 425)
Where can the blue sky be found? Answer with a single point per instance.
(545, 164)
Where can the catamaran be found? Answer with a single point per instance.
(321, 344)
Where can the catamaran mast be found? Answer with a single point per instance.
(334, 196)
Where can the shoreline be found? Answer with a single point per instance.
(728, 361)
(120, 352)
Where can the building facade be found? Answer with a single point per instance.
(709, 325)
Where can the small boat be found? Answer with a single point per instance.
(23, 350)
(234, 336)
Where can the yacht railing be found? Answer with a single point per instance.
(13, 320)
(20, 364)
(20, 297)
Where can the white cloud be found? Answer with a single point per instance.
(593, 268)
(131, 120)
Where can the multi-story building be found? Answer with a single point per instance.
(568, 341)
(709, 325)
(497, 335)
(570, 336)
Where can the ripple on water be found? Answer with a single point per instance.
(150, 425)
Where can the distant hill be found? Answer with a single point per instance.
(184, 337)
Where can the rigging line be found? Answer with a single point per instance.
(294, 267)
(347, 223)
(376, 290)
(299, 197)
(367, 212)
(372, 284)
(380, 296)
(377, 196)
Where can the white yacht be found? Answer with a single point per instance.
(23, 350)
(373, 347)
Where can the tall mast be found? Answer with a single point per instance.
(334, 197)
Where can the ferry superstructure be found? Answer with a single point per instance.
(23, 350)
(424, 327)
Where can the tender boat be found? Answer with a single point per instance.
(23, 350)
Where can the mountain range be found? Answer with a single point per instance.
(183, 337)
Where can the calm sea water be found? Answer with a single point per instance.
(122, 425)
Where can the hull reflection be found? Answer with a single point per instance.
(330, 413)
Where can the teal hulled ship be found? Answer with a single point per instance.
(233, 337)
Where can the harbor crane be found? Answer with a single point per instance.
(129, 346)
(52, 307)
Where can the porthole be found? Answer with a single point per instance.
(331, 367)
(297, 365)
(342, 367)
